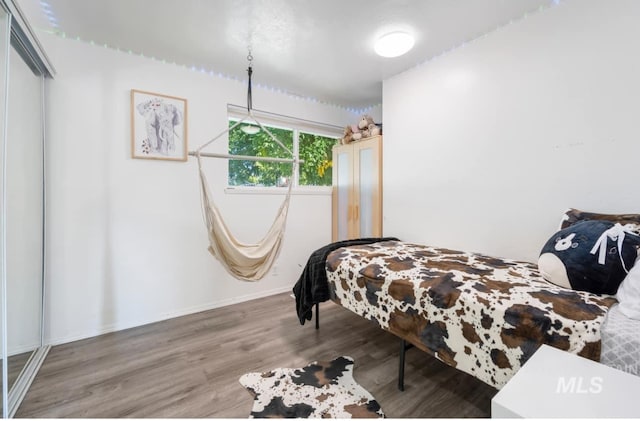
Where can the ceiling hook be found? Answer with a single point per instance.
(249, 73)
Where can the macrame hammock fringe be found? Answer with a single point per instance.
(247, 262)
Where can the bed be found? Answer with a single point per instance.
(480, 314)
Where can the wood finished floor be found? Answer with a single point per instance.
(189, 366)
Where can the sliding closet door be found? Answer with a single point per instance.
(23, 66)
(4, 62)
(24, 214)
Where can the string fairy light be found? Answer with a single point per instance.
(55, 30)
(526, 15)
(49, 13)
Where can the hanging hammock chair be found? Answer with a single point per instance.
(247, 262)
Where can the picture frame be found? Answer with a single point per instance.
(158, 126)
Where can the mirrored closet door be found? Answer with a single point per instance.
(23, 207)
(4, 64)
(24, 215)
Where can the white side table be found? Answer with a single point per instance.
(557, 384)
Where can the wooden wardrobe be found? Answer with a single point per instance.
(357, 189)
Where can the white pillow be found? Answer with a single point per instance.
(629, 293)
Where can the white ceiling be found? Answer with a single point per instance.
(322, 49)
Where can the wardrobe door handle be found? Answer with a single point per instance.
(356, 214)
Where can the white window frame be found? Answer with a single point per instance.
(235, 113)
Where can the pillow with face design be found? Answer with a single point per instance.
(593, 256)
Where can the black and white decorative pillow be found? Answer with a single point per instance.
(630, 221)
(592, 255)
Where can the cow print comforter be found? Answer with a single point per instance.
(479, 314)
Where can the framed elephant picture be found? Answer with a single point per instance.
(158, 126)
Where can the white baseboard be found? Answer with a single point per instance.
(163, 316)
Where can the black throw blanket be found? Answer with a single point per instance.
(313, 286)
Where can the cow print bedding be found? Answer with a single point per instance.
(482, 315)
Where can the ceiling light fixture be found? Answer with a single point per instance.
(394, 44)
(249, 129)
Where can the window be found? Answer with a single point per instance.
(313, 142)
(243, 141)
(316, 152)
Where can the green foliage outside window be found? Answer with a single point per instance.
(314, 150)
(259, 173)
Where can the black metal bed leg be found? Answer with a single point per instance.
(404, 345)
(317, 316)
(403, 350)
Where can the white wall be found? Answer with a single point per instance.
(485, 146)
(126, 240)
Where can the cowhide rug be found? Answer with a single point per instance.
(322, 389)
